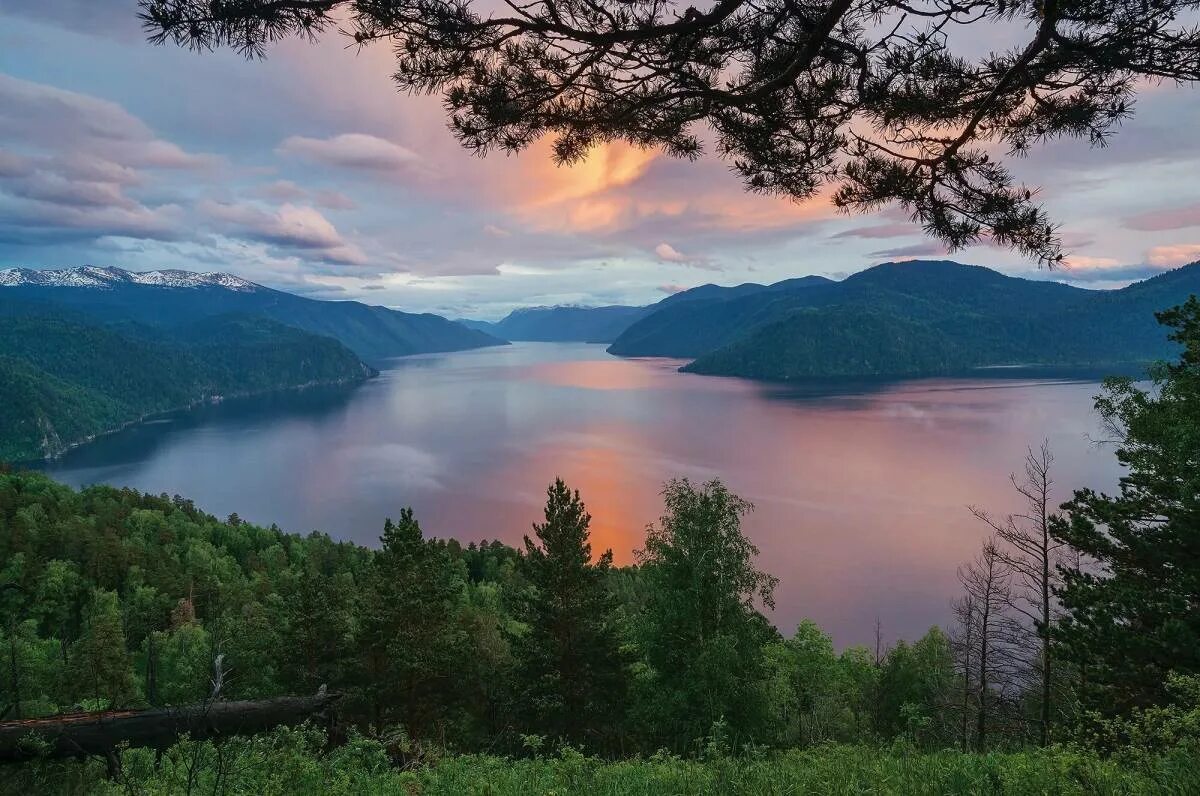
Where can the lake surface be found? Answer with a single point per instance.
(860, 491)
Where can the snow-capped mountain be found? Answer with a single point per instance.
(107, 277)
(171, 298)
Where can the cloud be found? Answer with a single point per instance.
(85, 16)
(86, 128)
(334, 200)
(1114, 274)
(666, 251)
(1172, 255)
(76, 168)
(669, 254)
(497, 232)
(880, 231)
(297, 227)
(1159, 220)
(288, 191)
(282, 191)
(925, 249)
(672, 289)
(354, 151)
(1082, 262)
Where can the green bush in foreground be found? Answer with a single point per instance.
(293, 761)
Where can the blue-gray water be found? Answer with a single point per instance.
(861, 492)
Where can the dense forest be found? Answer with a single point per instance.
(1074, 666)
(65, 379)
(918, 318)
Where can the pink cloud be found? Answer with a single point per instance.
(1158, 220)
(353, 151)
(880, 231)
(290, 226)
(913, 252)
(1082, 262)
(666, 251)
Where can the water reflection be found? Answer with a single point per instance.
(860, 494)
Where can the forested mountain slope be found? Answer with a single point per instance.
(172, 298)
(912, 319)
(64, 379)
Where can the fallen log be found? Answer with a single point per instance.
(100, 733)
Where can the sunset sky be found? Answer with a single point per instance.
(309, 172)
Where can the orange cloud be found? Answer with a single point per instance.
(1081, 261)
(1176, 254)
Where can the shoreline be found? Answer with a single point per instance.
(210, 400)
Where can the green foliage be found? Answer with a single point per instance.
(413, 632)
(699, 631)
(915, 685)
(65, 380)
(570, 674)
(182, 663)
(40, 413)
(1132, 606)
(290, 761)
(817, 696)
(100, 661)
(1146, 732)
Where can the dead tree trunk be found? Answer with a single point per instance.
(1033, 556)
(80, 734)
(986, 582)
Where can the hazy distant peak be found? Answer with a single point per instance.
(106, 277)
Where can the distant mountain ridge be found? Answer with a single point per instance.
(563, 323)
(167, 298)
(916, 318)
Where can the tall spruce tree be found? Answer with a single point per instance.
(1133, 613)
(318, 629)
(100, 662)
(570, 671)
(414, 637)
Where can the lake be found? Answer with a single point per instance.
(861, 491)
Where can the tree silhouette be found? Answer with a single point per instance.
(867, 98)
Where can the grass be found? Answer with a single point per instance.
(292, 762)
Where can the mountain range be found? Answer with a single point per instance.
(170, 298)
(916, 318)
(84, 351)
(562, 324)
(897, 319)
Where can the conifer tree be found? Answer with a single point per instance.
(414, 640)
(100, 662)
(1133, 611)
(570, 671)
